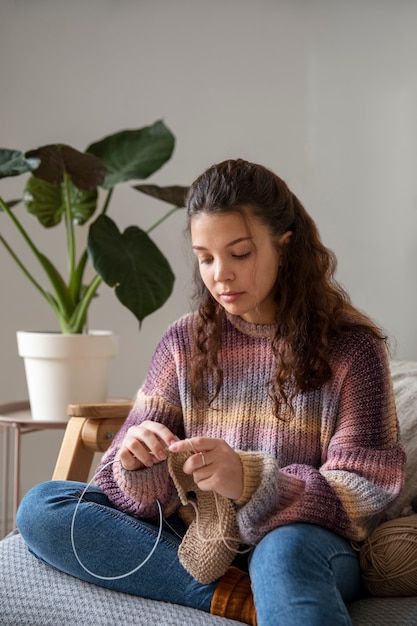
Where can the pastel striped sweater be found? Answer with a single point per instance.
(336, 462)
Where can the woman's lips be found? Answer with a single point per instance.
(230, 297)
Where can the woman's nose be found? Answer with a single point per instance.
(222, 272)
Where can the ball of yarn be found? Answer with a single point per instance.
(388, 558)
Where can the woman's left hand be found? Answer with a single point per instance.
(214, 465)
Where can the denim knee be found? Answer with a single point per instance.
(303, 574)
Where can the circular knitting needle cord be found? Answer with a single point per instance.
(135, 569)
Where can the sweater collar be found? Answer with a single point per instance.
(252, 330)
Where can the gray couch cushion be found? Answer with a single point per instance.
(384, 612)
(404, 379)
(34, 594)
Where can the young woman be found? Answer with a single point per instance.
(268, 412)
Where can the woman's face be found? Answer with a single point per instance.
(238, 263)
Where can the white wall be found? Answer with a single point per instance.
(322, 91)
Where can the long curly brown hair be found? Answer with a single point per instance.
(311, 307)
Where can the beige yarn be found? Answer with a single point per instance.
(212, 539)
(388, 558)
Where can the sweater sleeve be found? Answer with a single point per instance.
(362, 469)
(136, 492)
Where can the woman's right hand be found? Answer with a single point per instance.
(145, 445)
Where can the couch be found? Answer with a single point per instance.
(34, 594)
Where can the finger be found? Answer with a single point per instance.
(148, 439)
(156, 434)
(134, 446)
(134, 453)
(199, 465)
(197, 461)
(194, 445)
(129, 461)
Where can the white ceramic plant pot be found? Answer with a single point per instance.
(61, 369)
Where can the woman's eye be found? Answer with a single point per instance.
(241, 256)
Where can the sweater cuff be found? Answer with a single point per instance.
(252, 463)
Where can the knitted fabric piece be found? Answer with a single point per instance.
(212, 539)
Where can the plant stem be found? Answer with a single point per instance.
(107, 201)
(77, 321)
(79, 274)
(19, 227)
(50, 299)
(69, 229)
(163, 218)
(62, 303)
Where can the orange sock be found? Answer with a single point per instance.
(233, 597)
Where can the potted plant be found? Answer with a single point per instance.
(74, 189)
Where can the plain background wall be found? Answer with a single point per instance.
(322, 91)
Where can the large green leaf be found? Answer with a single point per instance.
(83, 204)
(14, 163)
(134, 154)
(46, 201)
(133, 264)
(175, 194)
(85, 170)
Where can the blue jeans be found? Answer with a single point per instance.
(301, 574)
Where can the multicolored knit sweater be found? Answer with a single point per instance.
(335, 462)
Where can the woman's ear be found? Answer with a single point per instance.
(285, 238)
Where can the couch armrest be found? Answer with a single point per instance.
(91, 428)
